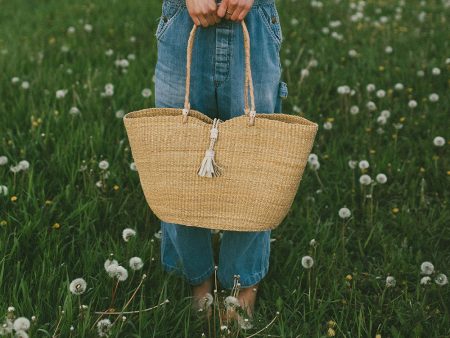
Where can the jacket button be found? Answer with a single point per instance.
(274, 19)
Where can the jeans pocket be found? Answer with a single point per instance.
(271, 19)
(169, 12)
(282, 94)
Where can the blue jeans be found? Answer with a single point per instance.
(217, 90)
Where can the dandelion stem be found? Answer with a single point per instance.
(265, 327)
(131, 312)
(132, 296)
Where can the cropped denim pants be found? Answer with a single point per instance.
(217, 90)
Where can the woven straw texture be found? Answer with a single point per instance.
(262, 166)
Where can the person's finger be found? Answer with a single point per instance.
(236, 13)
(203, 20)
(232, 5)
(196, 20)
(216, 18)
(243, 14)
(210, 19)
(221, 11)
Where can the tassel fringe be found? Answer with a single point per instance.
(209, 167)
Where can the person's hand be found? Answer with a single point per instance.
(234, 10)
(203, 12)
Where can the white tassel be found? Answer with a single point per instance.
(209, 167)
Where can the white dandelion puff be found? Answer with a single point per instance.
(344, 212)
(307, 262)
(103, 327)
(103, 165)
(146, 92)
(381, 178)
(365, 179)
(133, 166)
(3, 160)
(426, 268)
(21, 323)
(441, 279)
(438, 141)
(433, 97)
(24, 165)
(121, 273)
(363, 164)
(425, 280)
(136, 263)
(110, 262)
(390, 281)
(352, 164)
(412, 104)
(128, 233)
(78, 286)
(231, 302)
(61, 93)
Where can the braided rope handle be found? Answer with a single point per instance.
(248, 86)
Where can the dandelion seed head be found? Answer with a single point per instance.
(136, 263)
(390, 281)
(21, 323)
(128, 233)
(441, 279)
(439, 141)
(344, 212)
(381, 178)
(78, 286)
(307, 262)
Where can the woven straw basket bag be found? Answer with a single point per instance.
(241, 174)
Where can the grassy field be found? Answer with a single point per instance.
(373, 74)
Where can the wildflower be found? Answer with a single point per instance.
(109, 90)
(111, 270)
(103, 164)
(244, 323)
(352, 53)
(441, 279)
(24, 165)
(433, 97)
(3, 190)
(412, 104)
(146, 92)
(349, 277)
(307, 262)
(371, 106)
(133, 166)
(390, 281)
(363, 164)
(71, 30)
(15, 80)
(3, 160)
(420, 73)
(388, 50)
(315, 165)
(231, 302)
(365, 179)
(25, 85)
(21, 323)
(381, 120)
(344, 212)
(436, 71)
(136, 263)
(312, 157)
(88, 27)
(205, 301)
(6, 328)
(21, 334)
(426, 268)
(127, 233)
(60, 93)
(342, 90)
(381, 93)
(438, 141)
(385, 113)
(425, 280)
(77, 286)
(74, 111)
(352, 164)
(313, 243)
(327, 125)
(331, 332)
(103, 327)
(354, 110)
(370, 87)
(381, 178)
(399, 86)
(110, 262)
(121, 273)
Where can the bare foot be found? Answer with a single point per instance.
(202, 296)
(247, 299)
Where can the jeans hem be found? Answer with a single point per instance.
(192, 281)
(247, 281)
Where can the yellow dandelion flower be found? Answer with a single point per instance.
(3, 222)
(410, 90)
(51, 40)
(422, 169)
(395, 210)
(344, 302)
(325, 156)
(448, 172)
(331, 323)
(378, 335)
(330, 119)
(13, 198)
(10, 142)
(47, 202)
(56, 226)
(402, 119)
(435, 157)
(372, 151)
(116, 187)
(381, 68)
(349, 277)
(331, 332)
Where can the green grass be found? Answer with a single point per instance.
(405, 222)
